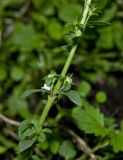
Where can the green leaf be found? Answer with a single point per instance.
(17, 73)
(41, 137)
(70, 12)
(100, 4)
(55, 30)
(109, 13)
(74, 97)
(98, 23)
(19, 106)
(89, 119)
(25, 37)
(101, 97)
(36, 122)
(44, 145)
(37, 125)
(54, 146)
(67, 150)
(3, 74)
(37, 3)
(47, 130)
(3, 149)
(28, 133)
(117, 141)
(25, 144)
(34, 157)
(105, 40)
(30, 91)
(23, 126)
(118, 34)
(84, 88)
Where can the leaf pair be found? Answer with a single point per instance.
(31, 132)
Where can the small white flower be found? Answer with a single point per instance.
(46, 87)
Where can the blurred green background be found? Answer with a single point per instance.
(32, 40)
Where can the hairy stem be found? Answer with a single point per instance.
(51, 99)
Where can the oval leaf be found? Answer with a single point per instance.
(67, 150)
(74, 97)
(25, 144)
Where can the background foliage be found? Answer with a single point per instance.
(32, 33)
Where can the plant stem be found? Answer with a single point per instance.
(51, 99)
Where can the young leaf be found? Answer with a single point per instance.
(47, 130)
(28, 133)
(89, 119)
(67, 150)
(23, 126)
(41, 137)
(74, 97)
(25, 144)
(30, 91)
(37, 125)
(98, 23)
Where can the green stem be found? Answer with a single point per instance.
(51, 99)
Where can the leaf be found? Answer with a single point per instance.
(25, 37)
(67, 150)
(19, 106)
(100, 4)
(3, 149)
(37, 3)
(55, 30)
(101, 97)
(47, 130)
(98, 23)
(30, 91)
(36, 122)
(44, 145)
(109, 13)
(74, 97)
(89, 119)
(118, 34)
(41, 137)
(84, 88)
(25, 144)
(3, 74)
(105, 40)
(54, 146)
(28, 133)
(23, 126)
(117, 141)
(17, 73)
(34, 157)
(70, 12)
